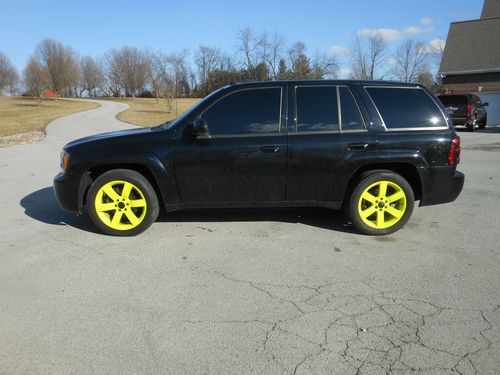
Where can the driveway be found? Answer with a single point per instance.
(265, 292)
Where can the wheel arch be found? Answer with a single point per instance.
(95, 171)
(408, 171)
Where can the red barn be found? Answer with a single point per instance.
(49, 94)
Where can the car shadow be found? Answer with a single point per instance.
(41, 205)
(315, 217)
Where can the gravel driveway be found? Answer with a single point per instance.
(238, 292)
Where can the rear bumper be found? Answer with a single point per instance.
(440, 185)
(460, 121)
(67, 191)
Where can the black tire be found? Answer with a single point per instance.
(140, 186)
(483, 123)
(470, 128)
(364, 182)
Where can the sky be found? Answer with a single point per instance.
(93, 27)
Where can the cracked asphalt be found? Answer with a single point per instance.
(239, 292)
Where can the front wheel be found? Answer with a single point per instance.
(122, 202)
(381, 203)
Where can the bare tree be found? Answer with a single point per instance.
(92, 75)
(127, 71)
(272, 49)
(59, 64)
(159, 75)
(113, 74)
(411, 60)
(248, 47)
(366, 59)
(35, 78)
(295, 53)
(8, 74)
(207, 59)
(179, 69)
(324, 66)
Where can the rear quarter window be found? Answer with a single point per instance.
(406, 108)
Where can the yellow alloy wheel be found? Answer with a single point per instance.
(120, 205)
(382, 204)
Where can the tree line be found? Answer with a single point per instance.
(133, 72)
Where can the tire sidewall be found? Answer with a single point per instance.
(141, 183)
(366, 180)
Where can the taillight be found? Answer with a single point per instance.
(454, 154)
(469, 110)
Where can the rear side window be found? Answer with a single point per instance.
(449, 100)
(406, 108)
(245, 112)
(317, 108)
(351, 118)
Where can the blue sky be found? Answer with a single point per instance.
(93, 27)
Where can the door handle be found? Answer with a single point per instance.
(357, 146)
(269, 149)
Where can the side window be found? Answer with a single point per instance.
(406, 107)
(316, 108)
(245, 112)
(350, 116)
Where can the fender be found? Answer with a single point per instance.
(161, 172)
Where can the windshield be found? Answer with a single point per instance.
(174, 122)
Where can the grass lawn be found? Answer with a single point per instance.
(146, 112)
(23, 115)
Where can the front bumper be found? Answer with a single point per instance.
(66, 190)
(440, 185)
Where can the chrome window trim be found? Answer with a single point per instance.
(364, 130)
(315, 132)
(412, 128)
(249, 89)
(296, 118)
(339, 110)
(242, 135)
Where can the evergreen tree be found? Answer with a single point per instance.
(283, 72)
(302, 68)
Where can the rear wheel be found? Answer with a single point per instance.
(381, 203)
(122, 202)
(482, 124)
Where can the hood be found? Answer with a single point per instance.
(109, 136)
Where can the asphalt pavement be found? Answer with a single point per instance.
(238, 292)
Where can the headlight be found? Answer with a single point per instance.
(64, 160)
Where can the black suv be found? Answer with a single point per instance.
(465, 110)
(372, 148)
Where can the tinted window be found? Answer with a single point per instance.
(406, 107)
(351, 118)
(449, 100)
(317, 108)
(246, 111)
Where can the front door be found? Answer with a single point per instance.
(243, 157)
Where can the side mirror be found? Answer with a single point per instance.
(486, 104)
(200, 127)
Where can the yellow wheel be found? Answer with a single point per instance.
(381, 203)
(120, 205)
(122, 202)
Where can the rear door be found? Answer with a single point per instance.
(327, 141)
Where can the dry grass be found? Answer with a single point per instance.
(23, 115)
(146, 112)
